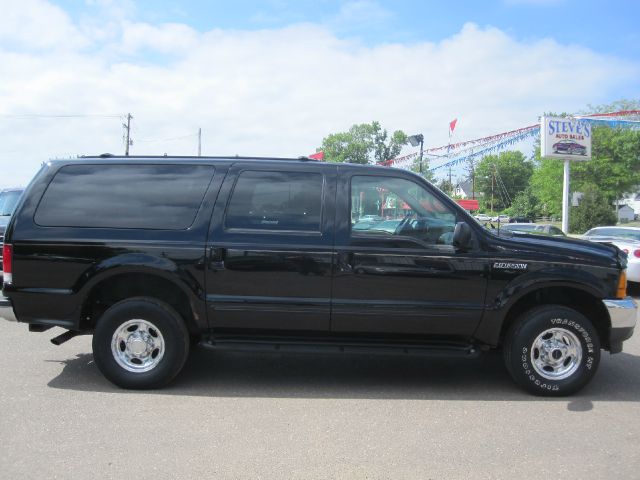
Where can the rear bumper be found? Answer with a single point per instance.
(623, 314)
(6, 309)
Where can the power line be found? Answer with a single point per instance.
(39, 115)
(504, 194)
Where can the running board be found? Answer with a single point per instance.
(65, 337)
(444, 349)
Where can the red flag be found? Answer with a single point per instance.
(452, 124)
(317, 156)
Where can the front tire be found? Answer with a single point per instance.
(140, 343)
(552, 350)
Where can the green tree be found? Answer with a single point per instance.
(546, 182)
(416, 167)
(502, 177)
(525, 204)
(614, 168)
(617, 106)
(594, 211)
(363, 143)
(615, 163)
(446, 186)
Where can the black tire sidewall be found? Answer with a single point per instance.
(165, 319)
(520, 340)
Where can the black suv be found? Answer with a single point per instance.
(153, 255)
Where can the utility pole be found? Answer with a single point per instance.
(473, 182)
(127, 128)
(199, 142)
(493, 178)
(471, 169)
(421, 152)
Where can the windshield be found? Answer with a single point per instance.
(614, 232)
(8, 201)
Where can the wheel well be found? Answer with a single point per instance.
(120, 287)
(579, 300)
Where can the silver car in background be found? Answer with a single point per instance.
(626, 239)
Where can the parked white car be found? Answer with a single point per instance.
(626, 239)
(483, 217)
(535, 228)
(501, 218)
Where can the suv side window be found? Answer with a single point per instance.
(165, 197)
(276, 201)
(388, 207)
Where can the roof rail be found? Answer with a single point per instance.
(191, 157)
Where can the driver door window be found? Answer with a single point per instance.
(399, 213)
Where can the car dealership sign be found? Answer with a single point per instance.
(566, 138)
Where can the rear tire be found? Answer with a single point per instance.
(552, 350)
(140, 343)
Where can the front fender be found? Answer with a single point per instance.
(526, 283)
(506, 292)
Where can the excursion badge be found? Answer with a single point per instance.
(510, 266)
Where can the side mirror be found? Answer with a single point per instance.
(462, 237)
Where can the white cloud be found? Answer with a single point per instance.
(114, 8)
(37, 24)
(279, 92)
(171, 38)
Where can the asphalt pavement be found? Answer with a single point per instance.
(246, 415)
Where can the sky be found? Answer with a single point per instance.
(273, 78)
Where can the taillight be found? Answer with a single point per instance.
(7, 263)
(636, 253)
(622, 285)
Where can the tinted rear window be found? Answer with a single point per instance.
(124, 196)
(276, 201)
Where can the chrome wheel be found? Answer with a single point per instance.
(556, 353)
(137, 345)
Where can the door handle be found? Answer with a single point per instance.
(216, 258)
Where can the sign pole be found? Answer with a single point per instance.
(568, 139)
(565, 196)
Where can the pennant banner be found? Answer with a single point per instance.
(612, 123)
(622, 113)
(478, 142)
(494, 143)
(489, 150)
(407, 160)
